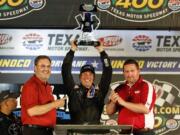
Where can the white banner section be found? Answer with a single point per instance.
(117, 43)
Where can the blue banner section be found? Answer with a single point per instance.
(60, 114)
(63, 115)
(25, 64)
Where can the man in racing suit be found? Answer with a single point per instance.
(86, 101)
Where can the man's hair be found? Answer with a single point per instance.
(131, 61)
(87, 67)
(38, 58)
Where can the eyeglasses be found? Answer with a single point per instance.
(44, 66)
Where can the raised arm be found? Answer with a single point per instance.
(67, 67)
(106, 74)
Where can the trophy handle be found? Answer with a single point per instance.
(88, 43)
(79, 20)
(97, 21)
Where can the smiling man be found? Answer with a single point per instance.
(134, 100)
(38, 106)
(86, 100)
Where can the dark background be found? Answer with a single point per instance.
(60, 14)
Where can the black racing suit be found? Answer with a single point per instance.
(10, 125)
(84, 110)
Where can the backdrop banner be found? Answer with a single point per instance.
(157, 53)
(155, 14)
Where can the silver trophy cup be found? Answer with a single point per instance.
(87, 22)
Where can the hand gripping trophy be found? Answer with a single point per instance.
(87, 22)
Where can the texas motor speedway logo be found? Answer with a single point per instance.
(10, 9)
(139, 10)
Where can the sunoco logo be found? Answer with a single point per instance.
(142, 43)
(139, 10)
(10, 9)
(32, 41)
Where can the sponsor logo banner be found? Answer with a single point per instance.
(139, 11)
(5, 39)
(24, 64)
(10, 9)
(118, 43)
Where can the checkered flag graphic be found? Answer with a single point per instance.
(167, 95)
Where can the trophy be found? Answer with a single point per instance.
(87, 22)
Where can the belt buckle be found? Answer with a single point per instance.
(145, 129)
(49, 128)
(142, 130)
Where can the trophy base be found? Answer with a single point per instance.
(88, 43)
